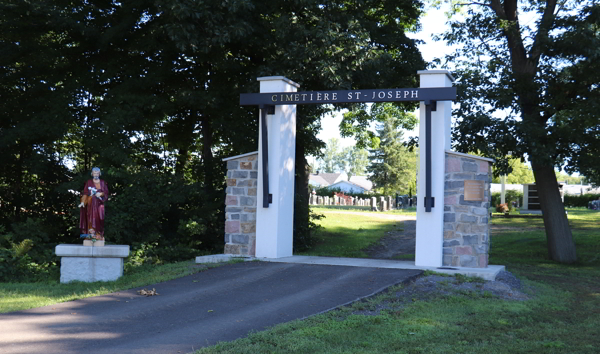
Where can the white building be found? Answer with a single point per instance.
(354, 184)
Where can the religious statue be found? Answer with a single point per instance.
(91, 209)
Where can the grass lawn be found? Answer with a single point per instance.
(361, 209)
(562, 315)
(346, 235)
(22, 296)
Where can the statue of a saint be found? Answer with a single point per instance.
(91, 209)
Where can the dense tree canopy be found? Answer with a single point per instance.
(148, 92)
(537, 63)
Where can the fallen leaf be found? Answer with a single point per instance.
(146, 292)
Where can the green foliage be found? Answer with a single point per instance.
(562, 177)
(304, 233)
(352, 160)
(580, 200)
(510, 196)
(393, 167)
(547, 78)
(148, 92)
(330, 192)
(520, 173)
(328, 162)
(15, 263)
(529, 88)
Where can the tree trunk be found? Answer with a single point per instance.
(207, 155)
(302, 237)
(561, 247)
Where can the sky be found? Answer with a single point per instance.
(434, 22)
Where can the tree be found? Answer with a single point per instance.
(393, 167)
(563, 177)
(155, 85)
(520, 173)
(358, 160)
(330, 159)
(351, 159)
(544, 73)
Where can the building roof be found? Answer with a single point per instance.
(362, 181)
(318, 180)
(350, 183)
(329, 178)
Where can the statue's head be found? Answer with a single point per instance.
(96, 172)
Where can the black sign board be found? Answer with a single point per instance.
(349, 96)
(430, 95)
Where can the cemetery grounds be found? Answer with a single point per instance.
(560, 312)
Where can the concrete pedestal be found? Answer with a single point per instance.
(90, 264)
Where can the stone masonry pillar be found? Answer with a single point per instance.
(466, 231)
(430, 225)
(274, 225)
(240, 204)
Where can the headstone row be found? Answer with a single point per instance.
(380, 203)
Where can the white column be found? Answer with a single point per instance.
(502, 190)
(430, 225)
(274, 225)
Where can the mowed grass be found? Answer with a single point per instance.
(362, 209)
(347, 235)
(561, 316)
(22, 296)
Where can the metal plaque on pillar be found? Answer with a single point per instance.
(474, 190)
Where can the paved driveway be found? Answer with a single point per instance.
(219, 304)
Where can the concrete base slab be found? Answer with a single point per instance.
(88, 269)
(221, 258)
(530, 211)
(90, 264)
(488, 273)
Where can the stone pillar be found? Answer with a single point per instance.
(430, 225)
(466, 232)
(240, 204)
(275, 224)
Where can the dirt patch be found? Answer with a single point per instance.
(505, 287)
(400, 244)
(396, 244)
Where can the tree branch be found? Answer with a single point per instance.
(473, 3)
(542, 34)
(498, 9)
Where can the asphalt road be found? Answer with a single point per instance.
(219, 304)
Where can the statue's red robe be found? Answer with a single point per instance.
(91, 216)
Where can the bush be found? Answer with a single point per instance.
(304, 231)
(17, 263)
(580, 200)
(509, 196)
